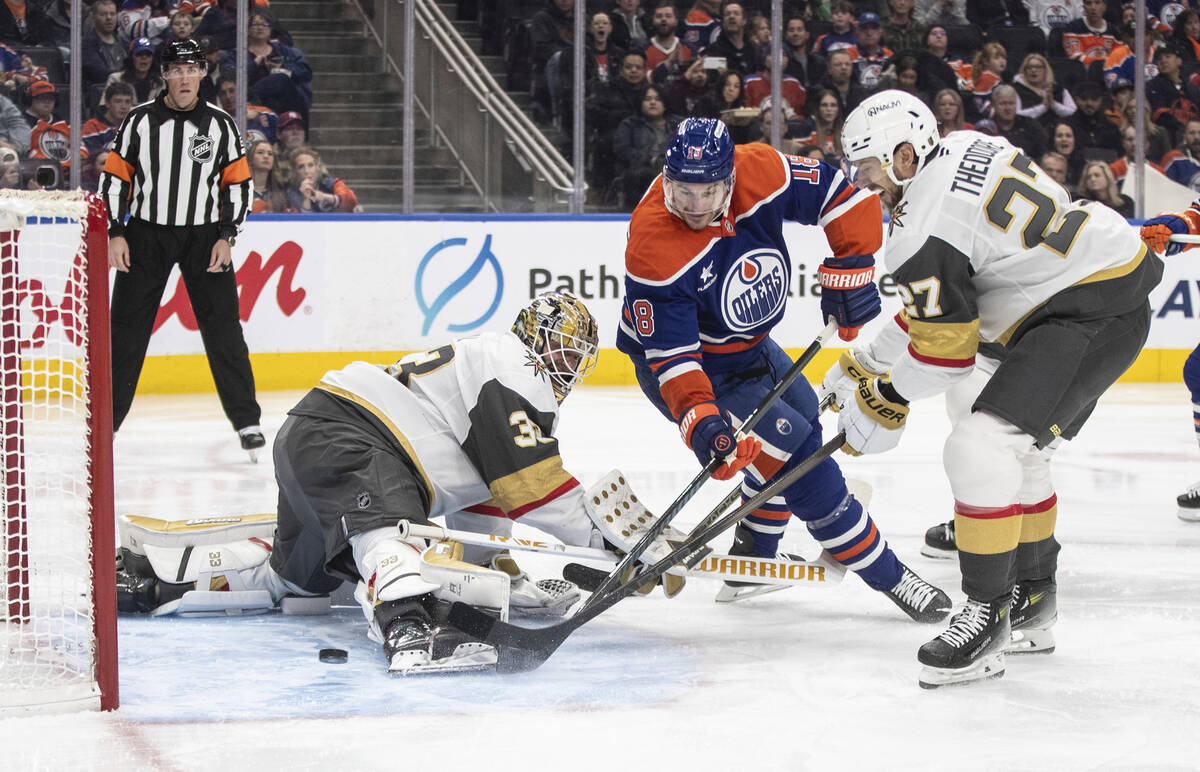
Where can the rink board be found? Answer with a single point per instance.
(318, 292)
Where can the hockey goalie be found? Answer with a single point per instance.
(464, 431)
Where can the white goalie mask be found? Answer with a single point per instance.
(561, 333)
(879, 125)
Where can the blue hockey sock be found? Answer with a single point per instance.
(850, 535)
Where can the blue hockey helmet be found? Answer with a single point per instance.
(698, 171)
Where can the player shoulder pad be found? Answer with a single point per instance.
(762, 174)
(661, 247)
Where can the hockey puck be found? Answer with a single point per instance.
(333, 656)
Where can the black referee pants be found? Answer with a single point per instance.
(153, 250)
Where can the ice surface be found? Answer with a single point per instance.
(808, 678)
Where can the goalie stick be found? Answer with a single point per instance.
(767, 402)
(742, 568)
(520, 649)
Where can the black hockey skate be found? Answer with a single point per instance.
(414, 646)
(139, 591)
(919, 599)
(252, 440)
(1189, 504)
(1034, 612)
(939, 542)
(970, 649)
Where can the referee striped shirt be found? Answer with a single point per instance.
(172, 167)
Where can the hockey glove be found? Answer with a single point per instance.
(710, 435)
(1157, 231)
(874, 419)
(841, 382)
(848, 293)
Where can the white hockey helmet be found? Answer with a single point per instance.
(884, 121)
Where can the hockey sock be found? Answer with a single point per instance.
(1037, 552)
(766, 524)
(1191, 379)
(850, 535)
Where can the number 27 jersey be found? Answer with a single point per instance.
(981, 238)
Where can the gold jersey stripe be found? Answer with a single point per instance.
(944, 340)
(987, 536)
(1106, 274)
(1038, 526)
(1116, 272)
(525, 486)
(395, 430)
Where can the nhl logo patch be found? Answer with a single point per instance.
(201, 148)
(363, 500)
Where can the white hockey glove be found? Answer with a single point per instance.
(874, 419)
(841, 382)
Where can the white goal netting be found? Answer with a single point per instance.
(48, 641)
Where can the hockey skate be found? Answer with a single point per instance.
(252, 440)
(939, 542)
(1189, 504)
(919, 599)
(139, 590)
(731, 592)
(1034, 612)
(415, 646)
(970, 649)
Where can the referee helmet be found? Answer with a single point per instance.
(183, 52)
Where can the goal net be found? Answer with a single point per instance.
(58, 620)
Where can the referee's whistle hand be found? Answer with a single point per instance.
(220, 259)
(118, 253)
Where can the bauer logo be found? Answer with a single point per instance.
(454, 281)
(755, 290)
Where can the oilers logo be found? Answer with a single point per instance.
(755, 289)
(1055, 15)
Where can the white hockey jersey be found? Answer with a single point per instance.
(476, 418)
(981, 238)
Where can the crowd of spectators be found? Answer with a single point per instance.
(1055, 79)
(121, 45)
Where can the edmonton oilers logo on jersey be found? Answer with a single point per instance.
(755, 289)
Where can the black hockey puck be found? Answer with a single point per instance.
(333, 656)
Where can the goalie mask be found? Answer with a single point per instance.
(561, 333)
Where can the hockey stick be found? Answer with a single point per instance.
(767, 402)
(742, 568)
(1185, 238)
(520, 649)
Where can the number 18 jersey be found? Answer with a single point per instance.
(981, 238)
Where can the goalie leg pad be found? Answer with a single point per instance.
(136, 531)
(456, 580)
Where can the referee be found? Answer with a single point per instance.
(179, 172)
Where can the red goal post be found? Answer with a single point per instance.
(58, 642)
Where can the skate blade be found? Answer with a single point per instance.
(253, 456)
(731, 594)
(466, 657)
(1189, 515)
(938, 554)
(988, 667)
(1031, 642)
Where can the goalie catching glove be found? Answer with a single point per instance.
(874, 419)
(848, 293)
(710, 435)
